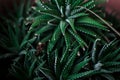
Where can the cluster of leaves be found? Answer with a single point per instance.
(71, 64)
(14, 29)
(14, 34)
(105, 60)
(93, 64)
(40, 67)
(58, 43)
(25, 67)
(68, 21)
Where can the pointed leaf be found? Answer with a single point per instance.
(63, 27)
(47, 73)
(80, 65)
(71, 23)
(82, 74)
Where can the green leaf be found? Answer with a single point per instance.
(52, 13)
(44, 29)
(76, 3)
(78, 39)
(32, 40)
(92, 23)
(69, 63)
(68, 39)
(40, 4)
(77, 15)
(40, 19)
(47, 73)
(115, 53)
(13, 38)
(89, 4)
(46, 38)
(76, 10)
(108, 76)
(101, 51)
(71, 23)
(31, 69)
(107, 64)
(64, 55)
(58, 4)
(57, 65)
(82, 74)
(25, 40)
(54, 39)
(113, 70)
(94, 51)
(63, 27)
(86, 31)
(80, 65)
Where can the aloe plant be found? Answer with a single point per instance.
(105, 60)
(56, 45)
(65, 67)
(72, 64)
(68, 21)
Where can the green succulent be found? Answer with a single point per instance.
(72, 64)
(14, 35)
(63, 66)
(68, 21)
(14, 31)
(105, 60)
(51, 40)
(25, 67)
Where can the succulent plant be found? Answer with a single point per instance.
(14, 31)
(65, 67)
(68, 21)
(52, 41)
(105, 59)
(25, 67)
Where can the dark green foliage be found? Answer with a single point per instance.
(14, 31)
(67, 17)
(72, 65)
(106, 60)
(65, 67)
(53, 40)
(25, 68)
(14, 35)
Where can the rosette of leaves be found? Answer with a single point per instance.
(68, 21)
(106, 60)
